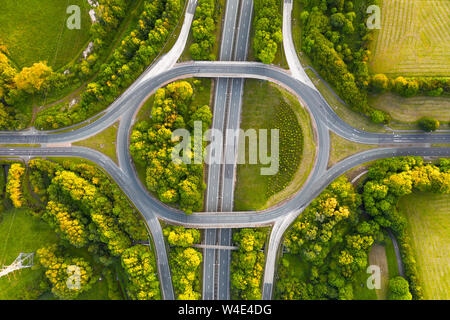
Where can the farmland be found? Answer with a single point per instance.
(412, 109)
(413, 39)
(428, 219)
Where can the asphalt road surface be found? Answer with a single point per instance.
(127, 105)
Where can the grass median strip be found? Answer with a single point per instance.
(105, 142)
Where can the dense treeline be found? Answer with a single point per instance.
(333, 236)
(18, 87)
(134, 53)
(184, 261)
(247, 264)
(152, 144)
(336, 37)
(140, 265)
(333, 241)
(89, 211)
(14, 184)
(410, 86)
(267, 26)
(203, 31)
(182, 237)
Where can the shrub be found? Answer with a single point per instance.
(428, 124)
(399, 289)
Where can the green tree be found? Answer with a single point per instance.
(399, 289)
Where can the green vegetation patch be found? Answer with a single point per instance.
(22, 232)
(341, 148)
(174, 181)
(413, 39)
(429, 228)
(247, 264)
(104, 142)
(35, 30)
(266, 106)
(185, 262)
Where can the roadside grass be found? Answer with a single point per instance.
(378, 257)
(412, 109)
(176, 31)
(220, 12)
(391, 257)
(21, 232)
(429, 229)
(105, 142)
(35, 30)
(440, 145)
(413, 39)
(308, 152)
(341, 148)
(266, 106)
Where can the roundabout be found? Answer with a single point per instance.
(278, 217)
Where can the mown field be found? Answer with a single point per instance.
(413, 39)
(412, 109)
(429, 225)
(35, 30)
(266, 106)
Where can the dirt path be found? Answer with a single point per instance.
(377, 256)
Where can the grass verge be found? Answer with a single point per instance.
(105, 142)
(341, 148)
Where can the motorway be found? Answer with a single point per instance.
(221, 177)
(279, 217)
(214, 189)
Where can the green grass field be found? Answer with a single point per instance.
(263, 102)
(429, 228)
(413, 39)
(35, 30)
(21, 232)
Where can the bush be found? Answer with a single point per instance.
(428, 124)
(399, 289)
